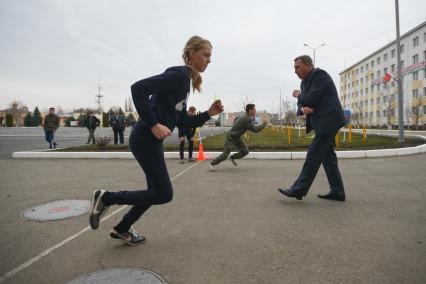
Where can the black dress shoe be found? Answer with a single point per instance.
(291, 193)
(332, 196)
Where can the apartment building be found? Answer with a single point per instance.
(372, 100)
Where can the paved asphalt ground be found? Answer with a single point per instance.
(231, 226)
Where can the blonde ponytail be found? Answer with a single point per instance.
(195, 43)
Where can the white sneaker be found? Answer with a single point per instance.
(234, 162)
(212, 167)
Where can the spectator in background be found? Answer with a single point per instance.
(189, 134)
(91, 123)
(118, 123)
(50, 125)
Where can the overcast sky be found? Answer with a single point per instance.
(53, 53)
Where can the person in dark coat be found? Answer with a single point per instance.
(91, 123)
(118, 124)
(318, 100)
(189, 134)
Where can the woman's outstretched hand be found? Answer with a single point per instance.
(160, 131)
(215, 108)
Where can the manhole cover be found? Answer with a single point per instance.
(120, 275)
(57, 210)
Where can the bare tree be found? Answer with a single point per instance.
(417, 111)
(59, 110)
(289, 109)
(128, 105)
(16, 106)
(247, 99)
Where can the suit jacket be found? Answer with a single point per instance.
(319, 92)
(117, 122)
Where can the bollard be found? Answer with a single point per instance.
(337, 140)
(289, 134)
(350, 134)
(364, 135)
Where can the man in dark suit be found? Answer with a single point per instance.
(319, 101)
(118, 123)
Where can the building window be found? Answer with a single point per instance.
(424, 37)
(366, 67)
(384, 113)
(402, 63)
(385, 99)
(415, 59)
(416, 75)
(385, 70)
(378, 74)
(416, 41)
(362, 69)
(424, 54)
(362, 81)
(366, 90)
(371, 101)
(393, 53)
(372, 63)
(377, 113)
(378, 60)
(415, 93)
(393, 68)
(401, 48)
(424, 109)
(378, 100)
(385, 57)
(372, 76)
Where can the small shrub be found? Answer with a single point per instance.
(103, 141)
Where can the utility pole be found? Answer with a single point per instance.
(99, 97)
(399, 76)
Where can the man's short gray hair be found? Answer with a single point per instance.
(306, 59)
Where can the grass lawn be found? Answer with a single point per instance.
(270, 139)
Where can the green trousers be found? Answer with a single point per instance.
(229, 143)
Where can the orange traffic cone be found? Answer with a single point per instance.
(201, 152)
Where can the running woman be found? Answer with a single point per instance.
(161, 104)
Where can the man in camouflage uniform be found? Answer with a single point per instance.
(233, 138)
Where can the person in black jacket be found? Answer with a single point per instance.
(189, 134)
(319, 101)
(161, 104)
(118, 124)
(91, 123)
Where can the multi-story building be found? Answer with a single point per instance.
(373, 101)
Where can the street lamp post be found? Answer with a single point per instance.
(398, 68)
(314, 49)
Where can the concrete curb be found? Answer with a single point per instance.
(49, 154)
(211, 155)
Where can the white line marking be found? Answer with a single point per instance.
(58, 245)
